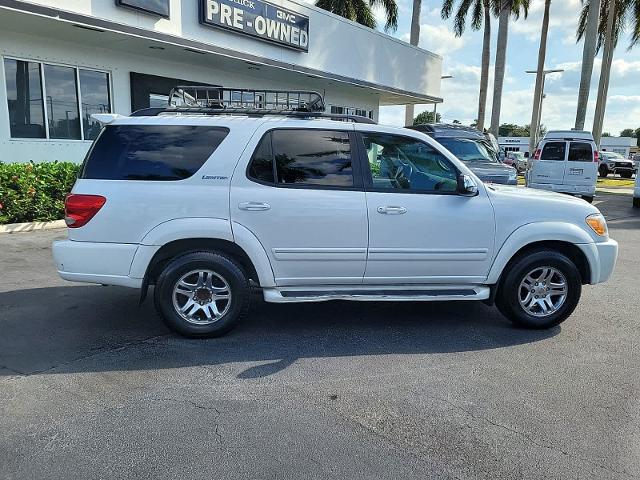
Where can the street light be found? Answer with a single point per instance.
(542, 97)
(435, 105)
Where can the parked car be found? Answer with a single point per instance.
(636, 193)
(565, 161)
(474, 148)
(612, 162)
(306, 209)
(516, 160)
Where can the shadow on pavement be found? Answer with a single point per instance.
(65, 329)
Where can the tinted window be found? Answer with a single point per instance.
(313, 157)
(554, 151)
(151, 152)
(62, 102)
(94, 90)
(580, 152)
(24, 96)
(403, 163)
(469, 150)
(261, 166)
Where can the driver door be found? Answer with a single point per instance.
(420, 229)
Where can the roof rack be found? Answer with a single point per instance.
(210, 100)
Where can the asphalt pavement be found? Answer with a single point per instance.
(93, 386)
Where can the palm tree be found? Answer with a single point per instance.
(480, 15)
(615, 17)
(503, 9)
(588, 57)
(537, 93)
(361, 11)
(414, 39)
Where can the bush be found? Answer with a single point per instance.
(35, 191)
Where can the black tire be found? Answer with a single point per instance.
(603, 171)
(636, 202)
(626, 174)
(507, 299)
(587, 198)
(224, 269)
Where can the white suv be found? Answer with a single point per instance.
(310, 209)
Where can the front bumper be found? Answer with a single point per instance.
(607, 253)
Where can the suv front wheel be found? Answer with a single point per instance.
(603, 171)
(202, 294)
(541, 290)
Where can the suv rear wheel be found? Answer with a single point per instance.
(202, 294)
(541, 290)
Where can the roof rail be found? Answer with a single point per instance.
(154, 111)
(208, 100)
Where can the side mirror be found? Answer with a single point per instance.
(467, 186)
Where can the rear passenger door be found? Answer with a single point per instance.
(300, 193)
(550, 168)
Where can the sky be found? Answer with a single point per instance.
(461, 58)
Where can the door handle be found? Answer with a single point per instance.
(392, 210)
(254, 206)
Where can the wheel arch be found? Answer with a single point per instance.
(567, 239)
(572, 251)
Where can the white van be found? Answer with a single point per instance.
(565, 161)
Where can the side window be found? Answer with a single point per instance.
(312, 157)
(554, 151)
(403, 163)
(580, 152)
(261, 166)
(151, 152)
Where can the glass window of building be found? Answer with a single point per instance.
(43, 100)
(24, 96)
(61, 102)
(94, 91)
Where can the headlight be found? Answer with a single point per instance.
(598, 224)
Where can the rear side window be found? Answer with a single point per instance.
(151, 152)
(580, 152)
(554, 151)
(303, 157)
(261, 166)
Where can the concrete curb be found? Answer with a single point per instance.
(31, 226)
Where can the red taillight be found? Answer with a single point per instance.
(596, 156)
(79, 209)
(536, 156)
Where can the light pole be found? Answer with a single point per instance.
(435, 105)
(534, 130)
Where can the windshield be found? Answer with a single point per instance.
(469, 150)
(518, 155)
(612, 155)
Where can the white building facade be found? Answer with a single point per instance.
(63, 61)
(621, 145)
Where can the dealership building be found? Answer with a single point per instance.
(622, 145)
(63, 61)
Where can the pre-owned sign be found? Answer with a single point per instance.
(258, 19)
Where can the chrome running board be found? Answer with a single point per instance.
(376, 293)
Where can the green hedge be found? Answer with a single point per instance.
(34, 191)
